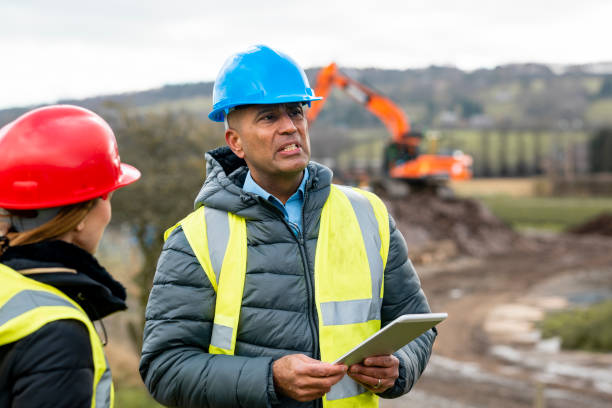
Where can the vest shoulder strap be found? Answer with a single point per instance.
(210, 232)
(195, 229)
(363, 211)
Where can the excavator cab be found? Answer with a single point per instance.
(398, 153)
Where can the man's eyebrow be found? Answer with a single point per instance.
(275, 107)
(266, 109)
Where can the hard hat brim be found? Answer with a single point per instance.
(129, 174)
(218, 112)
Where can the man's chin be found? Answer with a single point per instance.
(294, 171)
(295, 166)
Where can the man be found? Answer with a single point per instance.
(277, 273)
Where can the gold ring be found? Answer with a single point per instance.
(378, 385)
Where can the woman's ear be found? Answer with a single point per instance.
(80, 226)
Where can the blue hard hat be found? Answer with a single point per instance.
(259, 75)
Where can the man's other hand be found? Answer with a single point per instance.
(377, 374)
(303, 378)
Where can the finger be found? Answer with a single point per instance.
(306, 380)
(320, 369)
(364, 379)
(371, 383)
(380, 372)
(355, 368)
(323, 383)
(315, 385)
(308, 395)
(375, 372)
(381, 361)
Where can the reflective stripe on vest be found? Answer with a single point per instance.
(210, 230)
(349, 262)
(351, 255)
(27, 305)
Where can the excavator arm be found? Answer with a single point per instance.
(383, 108)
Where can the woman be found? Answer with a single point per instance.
(58, 168)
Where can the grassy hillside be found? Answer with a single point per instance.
(548, 213)
(515, 96)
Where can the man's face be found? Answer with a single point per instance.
(272, 139)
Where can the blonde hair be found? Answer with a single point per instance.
(66, 220)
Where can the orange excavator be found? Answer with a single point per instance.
(402, 159)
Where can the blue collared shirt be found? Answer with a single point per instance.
(292, 210)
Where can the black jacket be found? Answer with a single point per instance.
(53, 366)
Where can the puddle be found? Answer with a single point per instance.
(557, 368)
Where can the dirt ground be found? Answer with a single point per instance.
(495, 284)
(488, 353)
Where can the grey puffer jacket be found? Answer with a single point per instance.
(278, 315)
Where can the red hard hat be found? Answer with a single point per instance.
(59, 155)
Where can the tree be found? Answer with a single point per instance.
(469, 107)
(606, 87)
(601, 151)
(168, 148)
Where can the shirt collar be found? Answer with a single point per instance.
(250, 186)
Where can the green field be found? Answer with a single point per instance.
(599, 111)
(581, 328)
(516, 201)
(548, 213)
(492, 147)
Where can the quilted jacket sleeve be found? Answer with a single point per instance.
(175, 365)
(403, 295)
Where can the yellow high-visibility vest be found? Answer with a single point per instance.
(27, 305)
(350, 259)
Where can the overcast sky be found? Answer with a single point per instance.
(75, 48)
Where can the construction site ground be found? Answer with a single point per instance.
(489, 352)
(495, 284)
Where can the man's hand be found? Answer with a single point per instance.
(377, 374)
(303, 378)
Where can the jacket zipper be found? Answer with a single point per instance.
(310, 290)
(307, 275)
(309, 285)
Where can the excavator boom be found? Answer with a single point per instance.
(402, 158)
(382, 107)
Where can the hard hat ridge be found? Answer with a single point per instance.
(259, 75)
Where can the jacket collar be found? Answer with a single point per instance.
(72, 270)
(250, 186)
(225, 176)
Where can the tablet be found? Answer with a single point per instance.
(392, 337)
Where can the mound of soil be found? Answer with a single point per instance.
(437, 229)
(600, 225)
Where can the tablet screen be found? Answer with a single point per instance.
(392, 337)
